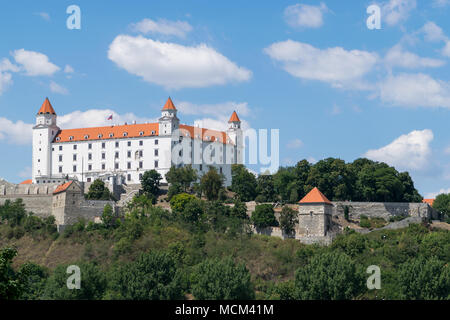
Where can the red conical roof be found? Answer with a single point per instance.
(315, 196)
(46, 108)
(169, 105)
(234, 118)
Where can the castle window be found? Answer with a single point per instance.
(140, 176)
(103, 166)
(60, 169)
(89, 156)
(141, 143)
(60, 148)
(141, 153)
(100, 136)
(90, 167)
(111, 135)
(156, 164)
(220, 169)
(129, 165)
(141, 133)
(125, 134)
(141, 164)
(129, 143)
(116, 155)
(103, 145)
(156, 152)
(129, 154)
(74, 168)
(103, 155)
(156, 141)
(311, 213)
(117, 144)
(74, 157)
(60, 158)
(201, 167)
(58, 138)
(129, 177)
(153, 131)
(74, 147)
(116, 165)
(88, 179)
(71, 138)
(86, 137)
(90, 146)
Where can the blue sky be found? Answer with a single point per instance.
(311, 69)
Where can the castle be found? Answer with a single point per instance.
(120, 154)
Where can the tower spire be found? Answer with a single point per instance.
(46, 108)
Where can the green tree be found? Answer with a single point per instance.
(150, 182)
(243, 182)
(108, 217)
(153, 276)
(216, 279)
(14, 212)
(98, 191)
(265, 188)
(288, 220)
(329, 276)
(442, 205)
(10, 287)
(33, 278)
(264, 216)
(422, 278)
(193, 210)
(239, 210)
(179, 202)
(92, 287)
(211, 183)
(183, 176)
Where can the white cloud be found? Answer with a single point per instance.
(409, 151)
(396, 11)
(97, 118)
(433, 32)
(15, 132)
(433, 195)
(43, 15)
(68, 69)
(56, 88)
(172, 65)
(5, 76)
(5, 81)
(295, 144)
(447, 150)
(163, 26)
(6, 65)
(223, 109)
(34, 63)
(398, 57)
(446, 49)
(415, 90)
(336, 66)
(440, 3)
(303, 15)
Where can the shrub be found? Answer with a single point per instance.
(179, 202)
(264, 216)
(288, 219)
(216, 279)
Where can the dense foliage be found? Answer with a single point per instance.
(442, 205)
(360, 180)
(98, 191)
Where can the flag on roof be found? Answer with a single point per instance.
(110, 117)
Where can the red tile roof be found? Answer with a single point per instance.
(234, 118)
(169, 105)
(315, 196)
(100, 133)
(205, 134)
(429, 201)
(46, 108)
(62, 187)
(29, 181)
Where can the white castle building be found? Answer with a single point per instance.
(122, 153)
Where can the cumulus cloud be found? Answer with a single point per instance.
(34, 63)
(303, 15)
(172, 65)
(68, 69)
(433, 195)
(337, 66)
(225, 108)
(415, 90)
(5, 81)
(163, 26)
(56, 88)
(15, 132)
(396, 11)
(295, 144)
(398, 57)
(433, 32)
(409, 151)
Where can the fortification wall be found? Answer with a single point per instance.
(40, 205)
(277, 232)
(385, 210)
(88, 210)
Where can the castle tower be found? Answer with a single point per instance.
(314, 215)
(235, 133)
(44, 132)
(169, 120)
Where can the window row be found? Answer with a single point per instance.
(117, 145)
(103, 167)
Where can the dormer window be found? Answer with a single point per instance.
(125, 134)
(111, 135)
(153, 131)
(86, 137)
(71, 138)
(100, 136)
(141, 133)
(58, 138)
